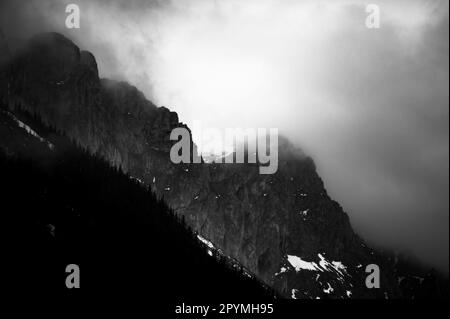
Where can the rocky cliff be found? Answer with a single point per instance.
(283, 227)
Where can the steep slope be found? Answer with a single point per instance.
(64, 206)
(283, 227)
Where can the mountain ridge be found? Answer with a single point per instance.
(80, 210)
(262, 221)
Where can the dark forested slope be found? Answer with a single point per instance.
(61, 205)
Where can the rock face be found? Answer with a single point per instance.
(283, 227)
(4, 50)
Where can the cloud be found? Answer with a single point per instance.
(371, 106)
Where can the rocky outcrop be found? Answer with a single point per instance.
(283, 227)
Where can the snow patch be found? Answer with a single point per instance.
(282, 271)
(336, 266)
(303, 195)
(328, 290)
(206, 242)
(30, 131)
(300, 264)
(137, 180)
(339, 266)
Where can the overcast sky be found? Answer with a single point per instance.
(369, 105)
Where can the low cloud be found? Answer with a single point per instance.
(370, 105)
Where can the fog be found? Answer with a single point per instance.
(369, 105)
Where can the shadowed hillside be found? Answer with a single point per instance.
(61, 205)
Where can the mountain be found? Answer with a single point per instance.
(63, 205)
(284, 228)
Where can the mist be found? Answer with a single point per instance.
(369, 105)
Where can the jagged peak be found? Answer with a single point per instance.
(52, 38)
(88, 59)
(55, 49)
(289, 150)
